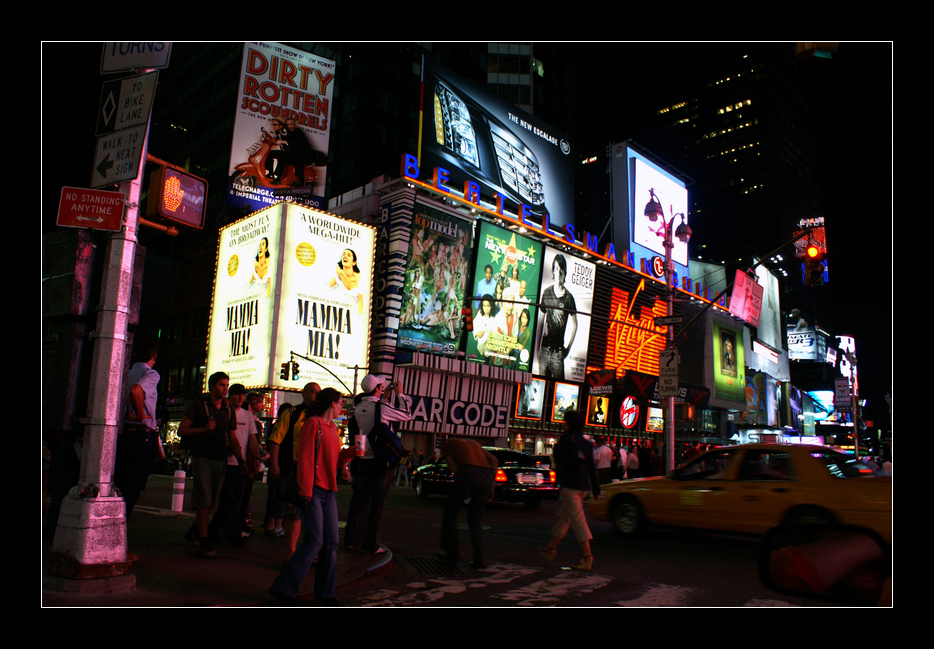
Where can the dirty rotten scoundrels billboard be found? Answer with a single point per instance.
(281, 128)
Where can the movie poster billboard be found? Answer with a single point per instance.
(530, 399)
(566, 397)
(563, 329)
(506, 274)
(243, 307)
(291, 279)
(281, 128)
(436, 282)
(324, 311)
(481, 139)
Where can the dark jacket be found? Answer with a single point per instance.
(574, 463)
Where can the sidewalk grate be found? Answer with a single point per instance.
(429, 566)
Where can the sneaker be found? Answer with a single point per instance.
(205, 551)
(584, 563)
(282, 597)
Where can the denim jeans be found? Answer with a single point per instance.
(551, 362)
(320, 538)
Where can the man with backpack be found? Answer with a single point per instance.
(372, 470)
(208, 429)
(282, 460)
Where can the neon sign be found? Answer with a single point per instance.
(634, 343)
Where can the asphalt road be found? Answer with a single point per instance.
(665, 568)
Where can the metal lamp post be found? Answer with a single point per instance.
(654, 211)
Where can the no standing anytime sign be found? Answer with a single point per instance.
(91, 208)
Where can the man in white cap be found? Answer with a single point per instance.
(372, 476)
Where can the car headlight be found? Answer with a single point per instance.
(453, 128)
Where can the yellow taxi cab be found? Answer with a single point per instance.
(749, 489)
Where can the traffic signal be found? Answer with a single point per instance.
(284, 372)
(177, 196)
(467, 312)
(813, 266)
(294, 370)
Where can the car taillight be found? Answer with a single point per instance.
(552, 477)
(501, 476)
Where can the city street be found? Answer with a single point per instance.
(666, 568)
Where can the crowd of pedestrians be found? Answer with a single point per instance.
(226, 446)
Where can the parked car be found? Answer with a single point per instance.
(751, 488)
(518, 479)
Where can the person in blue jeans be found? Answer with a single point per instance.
(317, 464)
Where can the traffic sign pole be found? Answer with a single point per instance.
(90, 538)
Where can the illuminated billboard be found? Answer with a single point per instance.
(636, 178)
(634, 341)
(291, 279)
(563, 329)
(728, 362)
(281, 128)
(506, 274)
(566, 397)
(494, 146)
(436, 282)
(530, 399)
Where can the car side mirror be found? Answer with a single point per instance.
(836, 563)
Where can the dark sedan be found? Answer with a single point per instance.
(518, 479)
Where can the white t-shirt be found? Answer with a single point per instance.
(245, 428)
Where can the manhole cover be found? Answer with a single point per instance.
(430, 566)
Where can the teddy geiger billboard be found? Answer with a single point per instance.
(291, 279)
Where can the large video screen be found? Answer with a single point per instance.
(506, 278)
(634, 174)
(436, 282)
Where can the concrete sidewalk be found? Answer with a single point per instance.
(169, 572)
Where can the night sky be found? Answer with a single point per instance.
(851, 94)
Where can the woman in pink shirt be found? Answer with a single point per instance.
(318, 459)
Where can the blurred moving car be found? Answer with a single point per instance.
(751, 488)
(518, 479)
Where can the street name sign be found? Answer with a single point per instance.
(141, 55)
(90, 208)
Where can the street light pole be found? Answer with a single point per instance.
(654, 211)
